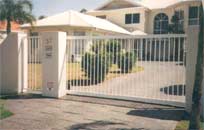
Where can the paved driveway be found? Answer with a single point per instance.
(159, 80)
(52, 114)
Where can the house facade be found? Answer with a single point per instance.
(149, 16)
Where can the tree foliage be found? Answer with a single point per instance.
(19, 11)
(176, 27)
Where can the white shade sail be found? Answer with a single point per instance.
(76, 19)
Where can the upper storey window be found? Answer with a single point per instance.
(161, 23)
(193, 15)
(132, 18)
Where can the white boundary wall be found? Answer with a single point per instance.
(13, 64)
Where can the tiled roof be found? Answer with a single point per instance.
(14, 26)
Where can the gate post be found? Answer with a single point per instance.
(54, 64)
(191, 59)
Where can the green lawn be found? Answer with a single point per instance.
(183, 125)
(4, 113)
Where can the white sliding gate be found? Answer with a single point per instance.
(144, 68)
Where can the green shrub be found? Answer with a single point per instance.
(114, 48)
(126, 61)
(98, 47)
(96, 63)
(86, 61)
(96, 66)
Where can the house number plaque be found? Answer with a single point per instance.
(48, 48)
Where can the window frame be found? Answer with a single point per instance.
(132, 18)
(160, 20)
(193, 20)
(136, 18)
(128, 18)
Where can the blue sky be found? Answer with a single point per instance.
(50, 7)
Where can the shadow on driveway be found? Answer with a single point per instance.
(101, 125)
(22, 96)
(162, 114)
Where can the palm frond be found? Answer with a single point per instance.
(25, 4)
(16, 10)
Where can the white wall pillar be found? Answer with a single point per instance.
(191, 59)
(13, 63)
(192, 47)
(0, 65)
(54, 64)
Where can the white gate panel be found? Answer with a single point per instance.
(144, 68)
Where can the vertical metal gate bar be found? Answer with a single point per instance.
(77, 88)
(178, 71)
(174, 60)
(94, 68)
(145, 61)
(133, 60)
(155, 67)
(150, 63)
(159, 67)
(137, 62)
(88, 68)
(70, 69)
(184, 66)
(97, 67)
(164, 62)
(169, 65)
(120, 62)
